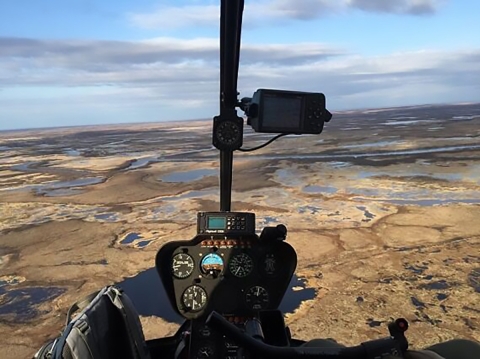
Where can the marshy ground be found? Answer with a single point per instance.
(383, 210)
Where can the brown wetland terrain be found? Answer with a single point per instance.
(383, 210)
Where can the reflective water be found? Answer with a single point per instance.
(288, 177)
(191, 194)
(408, 174)
(130, 238)
(320, 189)
(142, 244)
(188, 176)
(142, 162)
(471, 117)
(149, 297)
(58, 188)
(437, 285)
(443, 296)
(107, 217)
(339, 164)
(64, 188)
(308, 210)
(62, 192)
(20, 304)
(369, 216)
(431, 202)
(165, 209)
(72, 152)
(374, 144)
(24, 167)
(405, 122)
(348, 155)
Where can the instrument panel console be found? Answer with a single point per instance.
(229, 269)
(233, 275)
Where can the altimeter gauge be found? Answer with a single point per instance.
(182, 265)
(241, 265)
(194, 298)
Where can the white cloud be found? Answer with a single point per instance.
(172, 17)
(264, 12)
(181, 73)
(412, 7)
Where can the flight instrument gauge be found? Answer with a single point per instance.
(212, 265)
(194, 298)
(182, 265)
(206, 351)
(257, 298)
(241, 265)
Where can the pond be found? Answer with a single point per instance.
(58, 188)
(142, 162)
(20, 304)
(64, 188)
(432, 202)
(320, 189)
(130, 238)
(188, 176)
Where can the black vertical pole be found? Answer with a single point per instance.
(226, 177)
(231, 13)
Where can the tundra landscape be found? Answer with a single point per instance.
(383, 209)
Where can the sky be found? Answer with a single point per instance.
(82, 62)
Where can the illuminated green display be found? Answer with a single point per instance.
(217, 222)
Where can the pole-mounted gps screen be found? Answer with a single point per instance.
(277, 111)
(281, 112)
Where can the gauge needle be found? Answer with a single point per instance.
(258, 291)
(236, 272)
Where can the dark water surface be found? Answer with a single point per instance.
(20, 304)
(142, 162)
(188, 176)
(130, 238)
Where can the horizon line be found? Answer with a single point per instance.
(47, 128)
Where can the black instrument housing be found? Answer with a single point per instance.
(226, 292)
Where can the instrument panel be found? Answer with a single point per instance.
(233, 275)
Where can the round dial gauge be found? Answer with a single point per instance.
(212, 265)
(257, 298)
(194, 298)
(241, 265)
(206, 351)
(182, 265)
